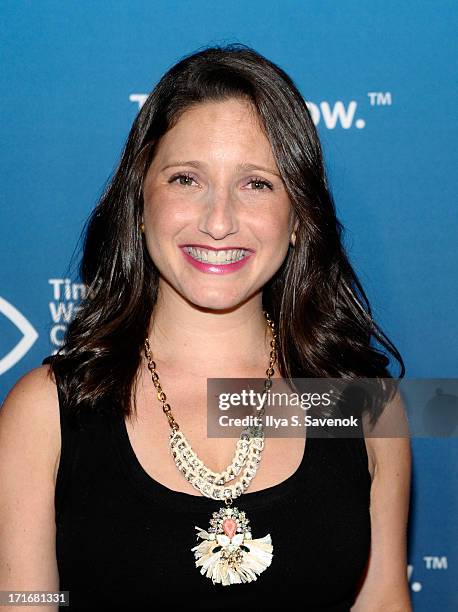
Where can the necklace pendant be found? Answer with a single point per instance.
(227, 553)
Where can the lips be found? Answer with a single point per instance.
(216, 267)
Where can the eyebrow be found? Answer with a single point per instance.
(198, 164)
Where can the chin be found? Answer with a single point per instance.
(214, 301)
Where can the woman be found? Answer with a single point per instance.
(215, 252)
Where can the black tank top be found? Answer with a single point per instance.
(123, 540)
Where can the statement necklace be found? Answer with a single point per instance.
(227, 553)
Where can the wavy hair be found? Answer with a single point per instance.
(322, 315)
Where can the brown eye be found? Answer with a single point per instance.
(260, 184)
(184, 179)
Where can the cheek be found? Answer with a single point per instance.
(273, 228)
(164, 213)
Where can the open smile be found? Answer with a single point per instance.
(216, 261)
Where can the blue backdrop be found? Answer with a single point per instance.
(379, 80)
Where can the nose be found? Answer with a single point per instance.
(219, 217)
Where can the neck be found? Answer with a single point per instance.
(208, 342)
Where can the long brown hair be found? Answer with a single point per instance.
(323, 317)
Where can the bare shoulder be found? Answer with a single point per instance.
(385, 585)
(29, 452)
(29, 416)
(388, 446)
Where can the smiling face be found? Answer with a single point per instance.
(217, 217)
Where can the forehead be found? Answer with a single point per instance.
(226, 129)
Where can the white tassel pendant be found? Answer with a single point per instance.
(227, 554)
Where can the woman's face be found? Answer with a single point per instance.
(212, 195)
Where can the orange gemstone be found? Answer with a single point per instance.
(229, 527)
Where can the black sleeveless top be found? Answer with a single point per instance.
(123, 540)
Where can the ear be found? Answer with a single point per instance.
(294, 221)
(293, 232)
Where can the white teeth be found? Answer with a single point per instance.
(221, 257)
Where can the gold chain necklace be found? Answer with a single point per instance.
(227, 554)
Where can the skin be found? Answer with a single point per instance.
(199, 315)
